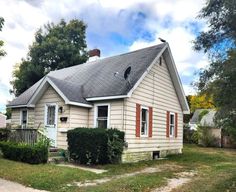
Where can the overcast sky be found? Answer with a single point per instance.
(113, 26)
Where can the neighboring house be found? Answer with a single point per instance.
(205, 117)
(3, 120)
(148, 104)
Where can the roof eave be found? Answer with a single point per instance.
(20, 106)
(106, 98)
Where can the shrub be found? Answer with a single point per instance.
(4, 134)
(205, 138)
(33, 154)
(95, 146)
(189, 135)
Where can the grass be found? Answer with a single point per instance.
(216, 172)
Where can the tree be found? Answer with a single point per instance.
(2, 52)
(56, 46)
(201, 101)
(219, 79)
(221, 19)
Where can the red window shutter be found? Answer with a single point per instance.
(138, 120)
(176, 124)
(150, 122)
(167, 124)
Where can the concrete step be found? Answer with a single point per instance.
(57, 159)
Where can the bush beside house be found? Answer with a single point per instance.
(95, 146)
(33, 154)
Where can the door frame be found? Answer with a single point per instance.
(56, 118)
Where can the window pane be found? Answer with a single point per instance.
(102, 111)
(102, 116)
(51, 115)
(171, 129)
(171, 119)
(144, 114)
(143, 128)
(102, 123)
(24, 116)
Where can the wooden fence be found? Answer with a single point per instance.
(29, 136)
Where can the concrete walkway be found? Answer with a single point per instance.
(9, 186)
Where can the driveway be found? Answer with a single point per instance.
(9, 186)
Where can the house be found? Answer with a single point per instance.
(139, 92)
(205, 117)
(3, 120)
(202, 117)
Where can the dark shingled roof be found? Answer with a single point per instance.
(96, 79)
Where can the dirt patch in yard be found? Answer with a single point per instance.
(144, 171)
(104, 180)
(182, 178)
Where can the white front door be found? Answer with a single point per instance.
(51, 122)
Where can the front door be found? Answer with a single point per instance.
(51, 122)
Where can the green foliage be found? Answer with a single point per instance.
(33, 154)
(2, 52)
(189, 135)
(95, 146)
(221, 19)
(56, 46)
(219, 79)
(115, 145)
(205, 138)
(8, 113)
(4, 134)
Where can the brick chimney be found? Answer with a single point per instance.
(94, 54)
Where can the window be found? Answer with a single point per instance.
(50, 115)
(144, 121)
(102, 116)
(172, 124)
(23, 118)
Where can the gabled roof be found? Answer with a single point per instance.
(95, 80)
(206, 120)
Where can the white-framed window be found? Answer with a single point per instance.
(144, 121)
(50, 115)
(172, 125)
(23, 118)
(102, 116)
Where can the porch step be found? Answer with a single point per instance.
(57, 159)
(56, 155)
(53, 149)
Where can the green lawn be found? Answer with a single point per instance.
(216, 172)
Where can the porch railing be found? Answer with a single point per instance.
(26, 135)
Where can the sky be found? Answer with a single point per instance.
(114, 27)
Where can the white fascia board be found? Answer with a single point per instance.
(58, 90)
(79, 104)
(49, 81)
(106, 98)
(20, 106)
(180, 89)
(147, 71)
(39, 88)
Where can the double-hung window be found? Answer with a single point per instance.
(102, 116)
(172, 124)
(144, 121)
(24, 117)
